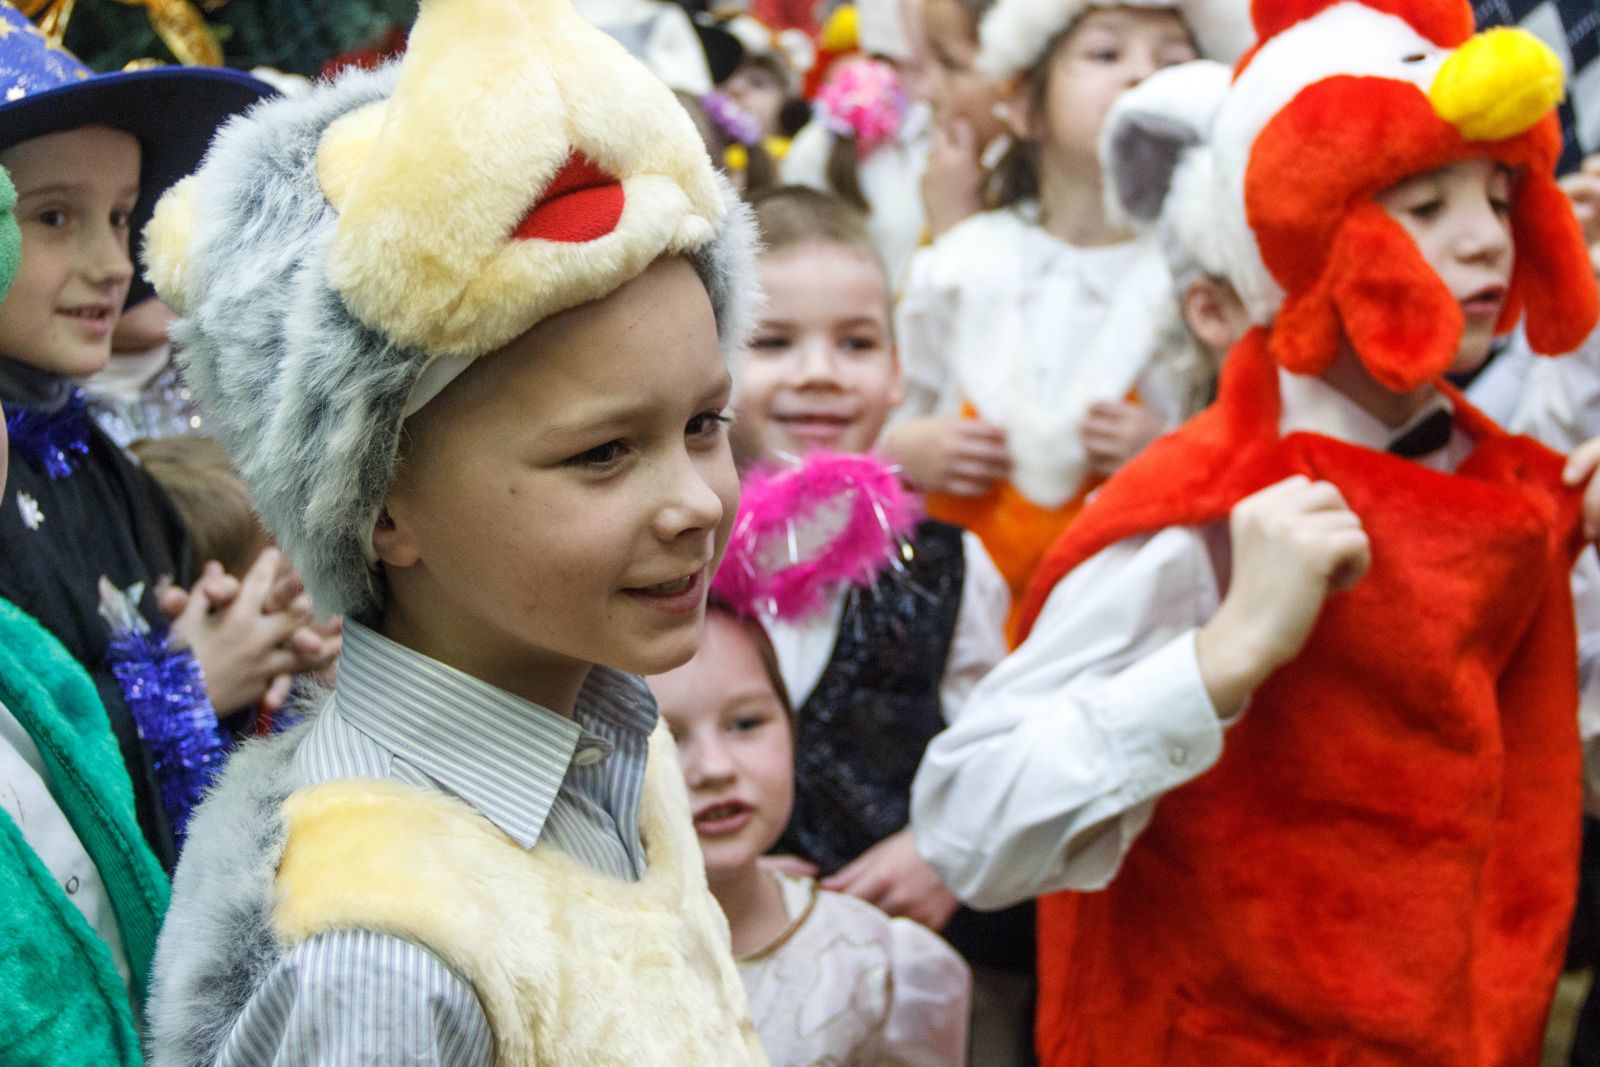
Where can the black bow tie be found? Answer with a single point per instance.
(1426, 437)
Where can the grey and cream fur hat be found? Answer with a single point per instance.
(340, 256)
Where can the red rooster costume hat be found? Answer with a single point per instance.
(1380, 868)
(1338, 101)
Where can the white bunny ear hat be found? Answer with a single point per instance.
(1015, 34)
(340, 256)
(1155, 153)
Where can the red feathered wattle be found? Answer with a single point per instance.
(1445, 22)
(1553, 276)
(1400, 318)
(1380, 869)
(581, 203)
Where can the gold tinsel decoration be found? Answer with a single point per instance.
(178, 23)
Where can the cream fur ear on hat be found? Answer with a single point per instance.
(1016, 34)
(342, 254)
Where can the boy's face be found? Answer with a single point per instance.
(1105, 53)
(75, 196)
(821, 371)
(1460, 218)
(565, 501)
(734, 746)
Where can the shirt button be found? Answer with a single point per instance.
(72, 884)
(588, 757)
(1179, 755)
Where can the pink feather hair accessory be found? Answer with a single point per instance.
(803, 531)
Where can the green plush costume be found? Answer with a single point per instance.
(61, 998)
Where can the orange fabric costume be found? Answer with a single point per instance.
(1014, 530)
(1381, 868)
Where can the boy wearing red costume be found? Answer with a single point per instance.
(1345, 570)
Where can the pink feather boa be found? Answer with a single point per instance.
(803, 531)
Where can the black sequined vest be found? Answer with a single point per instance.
(860, 735)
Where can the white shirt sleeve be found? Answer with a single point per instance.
(1586, 605)
(930, 992)
(1560, 402)
(979, 641)
(1058, 756)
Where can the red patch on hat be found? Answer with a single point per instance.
(581, 203)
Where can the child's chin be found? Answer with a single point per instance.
(659, 656)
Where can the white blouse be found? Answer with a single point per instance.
(847, 986)
(1031, 331)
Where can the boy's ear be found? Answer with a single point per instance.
(1206, 314)
(1016, 111)
(392, 542)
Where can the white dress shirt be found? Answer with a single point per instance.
(1063, 750)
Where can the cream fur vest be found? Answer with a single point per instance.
(571, 966)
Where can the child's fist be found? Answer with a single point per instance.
(963, 457)
(1293, 543)
(1115, 431)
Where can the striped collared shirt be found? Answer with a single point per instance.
(356, 997)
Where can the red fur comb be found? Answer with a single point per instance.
(1444, 22)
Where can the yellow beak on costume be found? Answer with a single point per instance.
(1498, 84)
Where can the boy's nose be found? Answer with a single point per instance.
(817, 364)
(109, 263)
(691, 503)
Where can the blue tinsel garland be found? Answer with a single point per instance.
(56, 440)
(166, 694)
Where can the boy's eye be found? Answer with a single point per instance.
(599, 457)
(707, 423)
(769, 343)
(121, 220)
(1426, 210)
(52, 217)
(746, 723)
(859, 344)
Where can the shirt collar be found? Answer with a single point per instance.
(505, 756)
(1311, 405)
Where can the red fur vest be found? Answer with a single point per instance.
(1381, 867)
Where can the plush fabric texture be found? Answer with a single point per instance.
(342, 254)
(1381, 867)
(1342, 100)
(218, 945)
(571, 966)
(64, 1001)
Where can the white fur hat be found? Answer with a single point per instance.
(341, 255)
(1015, 34)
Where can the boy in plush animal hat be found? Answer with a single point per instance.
(461, 323)
(1299, 694)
